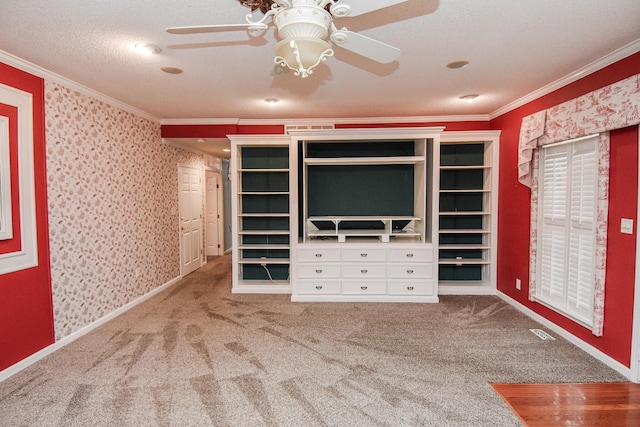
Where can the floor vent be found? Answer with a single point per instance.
(542, 335)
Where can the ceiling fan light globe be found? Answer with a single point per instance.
(302, 55)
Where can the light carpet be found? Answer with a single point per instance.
(197, 355)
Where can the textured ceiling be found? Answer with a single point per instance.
(514, 48)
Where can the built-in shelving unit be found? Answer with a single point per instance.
(366, 215)
(385, 215)
(261, 212)
(467, 217)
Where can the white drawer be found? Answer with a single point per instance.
(319, 287)
(318, 270)
(364, 254)
(364, 287)
(411, 271)
(318, 254)
(411, 287)
(411, 254)
(363, 271)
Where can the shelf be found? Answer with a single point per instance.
(263, 170)
(264, 193)
(399, 160)
(265, 246)
(463, 231)
(267, 261)
(463, 247)
(467, 261)
(454, 213)
(264, 232)
(363, 218)
(476, 167)
(264, 215)
(471, 190)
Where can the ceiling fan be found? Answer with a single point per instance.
(304, 26)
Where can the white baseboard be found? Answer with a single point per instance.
(607, 360)
(24, 363)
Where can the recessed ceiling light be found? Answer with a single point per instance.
(148, 49)
(200, 140)
(469, 98)
(271, 101)
(171, 70)
(457, 64)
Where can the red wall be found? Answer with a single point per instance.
(217, 131)
(514, 207)
(26, 314)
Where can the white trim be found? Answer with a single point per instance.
(36, 70)
(261, 289)
(6, 225)
(588, 348)
(24, 363)
(569, 141)
(635, 332)
(27, 257)
(446, 289)
(597, 65)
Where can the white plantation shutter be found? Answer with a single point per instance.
(567, 227)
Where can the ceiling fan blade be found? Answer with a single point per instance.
(365, 46)
(359, 7)
(253, 27)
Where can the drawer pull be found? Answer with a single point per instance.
(319, 271)
(318, 255)
(409, 255)
(319, 287)
(363, 271)
(364, 288)
(363, 255)
(409, 271)
(409, 288)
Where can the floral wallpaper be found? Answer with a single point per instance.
(113, 206)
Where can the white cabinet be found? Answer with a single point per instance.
(389, 272)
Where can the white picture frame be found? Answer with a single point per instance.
(27, 256)
(6, 220)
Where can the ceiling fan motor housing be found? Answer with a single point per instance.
(305, 19)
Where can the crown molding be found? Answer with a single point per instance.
(38, 71)
(615, 56)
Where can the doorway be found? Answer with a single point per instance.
(190, 207)
(214, 231)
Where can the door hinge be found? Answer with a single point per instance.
(218, 216)
(218, 245)
(217, 185)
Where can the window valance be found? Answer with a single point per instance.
(611, 107)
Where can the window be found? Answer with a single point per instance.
(567, 217)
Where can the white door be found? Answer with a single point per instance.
(190, 202)
(213, 216)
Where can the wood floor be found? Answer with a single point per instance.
(599, 404)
